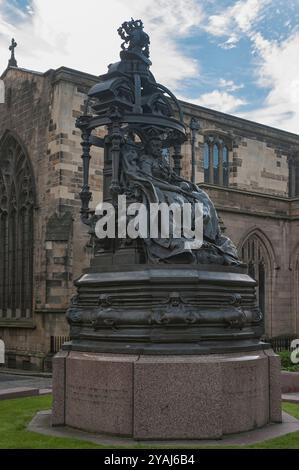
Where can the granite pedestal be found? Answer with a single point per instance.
(166, 397)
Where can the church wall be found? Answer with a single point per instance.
(258, 158)
(41, 110)
(26, 114)
(293, 259)
(260, 168)
(66, 168)
(244, 213)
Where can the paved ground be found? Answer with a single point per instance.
(14, 385)
(8, 381)
(291, 397)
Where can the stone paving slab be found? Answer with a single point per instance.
(18, 392)
(26, 373)
(41, 423)
(14, 381)
(291, 397)
(45, 391)
(21, 392)
(18, 386)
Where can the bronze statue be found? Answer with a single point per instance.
(156, 294)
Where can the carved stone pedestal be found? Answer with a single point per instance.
(166, 397)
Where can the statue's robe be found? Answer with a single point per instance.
(156, 182)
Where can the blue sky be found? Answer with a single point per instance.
(239, 57)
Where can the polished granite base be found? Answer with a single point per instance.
(166, 397)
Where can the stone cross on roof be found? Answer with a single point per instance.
(12, 61)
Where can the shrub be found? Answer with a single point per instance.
(286, 363)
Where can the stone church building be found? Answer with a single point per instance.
(250, 171)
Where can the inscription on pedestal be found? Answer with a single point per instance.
(99, 394)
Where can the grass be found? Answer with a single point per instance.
(16, 414)
(286, 363)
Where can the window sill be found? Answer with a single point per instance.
(50, 311)
(17, 323)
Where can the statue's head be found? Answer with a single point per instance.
(154, 146)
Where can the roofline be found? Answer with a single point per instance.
(248, 192)
(74, 76)
(22, 70)
(66, 73)
(77, 72)
(237, 119)
(63, 69)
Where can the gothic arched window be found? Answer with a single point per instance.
(16, 230)
(293, 161)
(206, 161)
(225, 166)
(254, 255)
(216, 164)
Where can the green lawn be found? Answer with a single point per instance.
(16, 414)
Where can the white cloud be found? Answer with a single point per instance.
(278, 70)
(230, 43)
(83, 35)
(246, 12)
(235, 21)
(218, 100)
(276, 64)
(230, 85)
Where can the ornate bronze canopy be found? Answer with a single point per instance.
(128, 100)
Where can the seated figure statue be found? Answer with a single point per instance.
(149, 175)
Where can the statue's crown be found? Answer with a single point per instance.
(129, 26)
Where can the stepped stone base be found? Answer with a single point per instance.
(166, 397)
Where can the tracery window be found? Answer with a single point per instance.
(216, 161)
(293, 175)
(253, 254)
(16, 230)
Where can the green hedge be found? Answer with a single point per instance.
(286, 363)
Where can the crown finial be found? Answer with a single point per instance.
(12, 61)
(134, 38)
